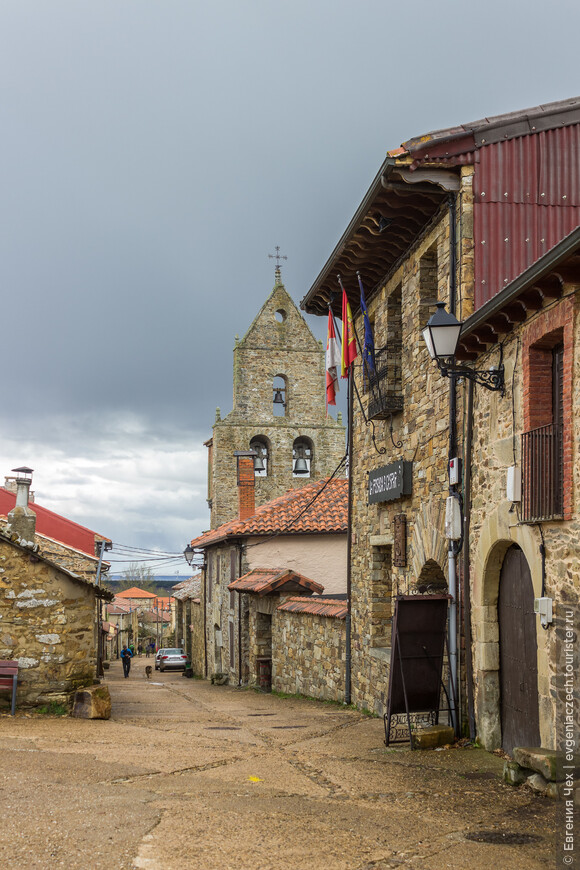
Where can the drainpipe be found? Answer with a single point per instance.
(466, 584)
(347, 681)
(452, 636)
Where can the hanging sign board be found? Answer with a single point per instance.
(390, 482)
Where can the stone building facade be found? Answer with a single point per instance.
(185, 595)
(305, 529)
(278, 359)
(48, 622)
(476, 218)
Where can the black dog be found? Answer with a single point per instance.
(148, 671)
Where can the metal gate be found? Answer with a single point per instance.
(520, 721)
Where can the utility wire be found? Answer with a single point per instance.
(305, 509)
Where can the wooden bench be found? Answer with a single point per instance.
(8, 678)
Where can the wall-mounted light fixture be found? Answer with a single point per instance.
(441, 336)
(189, 553)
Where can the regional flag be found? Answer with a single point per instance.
(332, 362)
(368, 351)
(349, 352)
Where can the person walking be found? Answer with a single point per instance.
(126, 656)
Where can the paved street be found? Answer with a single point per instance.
(186, 774)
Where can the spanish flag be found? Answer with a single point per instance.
(349, 352)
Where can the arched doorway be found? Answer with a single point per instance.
(518, 653)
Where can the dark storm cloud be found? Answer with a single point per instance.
(153, 154)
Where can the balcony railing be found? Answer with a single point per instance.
(542, 473)
(384, 386)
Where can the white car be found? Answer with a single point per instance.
(170, 658)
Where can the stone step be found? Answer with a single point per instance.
(553, 765)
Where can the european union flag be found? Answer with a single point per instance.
(369, 341)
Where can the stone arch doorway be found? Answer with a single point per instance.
(518, 653)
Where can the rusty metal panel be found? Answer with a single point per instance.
(400, 541)
(526, 200)
(541, 169)
(509, 238)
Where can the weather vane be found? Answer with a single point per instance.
(277, 256)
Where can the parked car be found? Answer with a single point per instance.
(173, 658)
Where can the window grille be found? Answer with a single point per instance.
(542, 473)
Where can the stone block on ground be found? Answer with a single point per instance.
(432, 736)
(548, 762)
(538, 784)
(515, 774)
(92, 702)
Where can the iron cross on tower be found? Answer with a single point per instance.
(277, 256)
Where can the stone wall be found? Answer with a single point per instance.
(309, 655)
(496, 523)
(197, 643)
(400, 309)
(47, 623)
(222, 609)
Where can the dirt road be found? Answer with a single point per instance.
(190, 775)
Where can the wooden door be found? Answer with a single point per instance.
(520, 721)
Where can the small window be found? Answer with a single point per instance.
(260, 445)
(280, 315)
(302, 457)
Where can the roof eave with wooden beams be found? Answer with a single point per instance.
(403, 202)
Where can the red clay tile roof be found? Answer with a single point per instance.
(187, 589)
(316, 607)
(291, 514)
(118, 609)
(135, 592)
(263, 581)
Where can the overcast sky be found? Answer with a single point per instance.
(152, 156)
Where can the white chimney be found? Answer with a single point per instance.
(21, 518)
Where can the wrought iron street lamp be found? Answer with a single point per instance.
(441, 336)
(189, 554)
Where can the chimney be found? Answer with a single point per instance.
(22, 519)
(246, 483)
(10, 485)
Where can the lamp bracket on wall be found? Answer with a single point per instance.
(492, 378)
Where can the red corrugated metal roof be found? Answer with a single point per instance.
(291, 514)
(316, 607)
(526, 200)
(54, 526)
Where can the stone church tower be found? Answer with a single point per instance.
(279, 411)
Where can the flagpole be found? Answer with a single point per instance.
(347, 673)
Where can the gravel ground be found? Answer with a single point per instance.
(190, 775)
